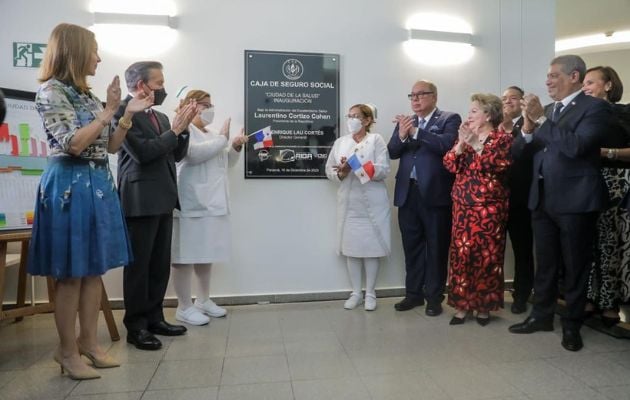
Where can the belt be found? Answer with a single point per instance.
(413, 181)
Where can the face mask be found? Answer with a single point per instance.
(159, 96)
(354, 125)
(207, 115)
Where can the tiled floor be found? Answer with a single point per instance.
(321, 351)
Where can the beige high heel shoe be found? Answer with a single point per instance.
(106, 361)
(84, 374)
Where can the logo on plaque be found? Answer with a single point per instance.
(263, 155)
(292, 69)
(286, 156)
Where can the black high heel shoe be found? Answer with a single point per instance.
(458, 320)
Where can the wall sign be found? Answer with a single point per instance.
(294, 97)
(29, 55)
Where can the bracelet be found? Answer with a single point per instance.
(102, 122)
(612, 154)
(125, 123)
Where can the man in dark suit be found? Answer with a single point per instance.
(148, 194)
(423, 195)
(566, 194)
(519, 220)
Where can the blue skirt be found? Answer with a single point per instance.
(79, 228)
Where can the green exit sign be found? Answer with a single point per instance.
(28, 55)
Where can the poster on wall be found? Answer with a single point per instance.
(291, 113)
(23, 152)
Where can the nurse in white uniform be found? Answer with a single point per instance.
(363, 211)
(201, 228)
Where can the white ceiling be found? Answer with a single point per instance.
(581, 17)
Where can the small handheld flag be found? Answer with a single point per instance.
(263, 138)
(363, 171)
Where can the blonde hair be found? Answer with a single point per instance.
(491, 105)
(194, 94)
(367, 112)
(68, 55)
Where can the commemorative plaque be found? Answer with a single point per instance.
(291, 113)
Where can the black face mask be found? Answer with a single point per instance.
(159, 96)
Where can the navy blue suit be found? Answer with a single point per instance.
(424, 214)
(519, 224)
(566, 195)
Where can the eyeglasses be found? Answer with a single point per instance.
(358, 116)
(417, 95)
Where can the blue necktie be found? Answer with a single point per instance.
(421, 124)
(557, 109)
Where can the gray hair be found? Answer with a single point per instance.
(570, 63)
(430, 84)
(139, 71)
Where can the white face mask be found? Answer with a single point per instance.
(354, 125)
(207, 115)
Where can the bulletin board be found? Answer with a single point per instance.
(23, 153)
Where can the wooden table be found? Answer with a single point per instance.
(21, 308)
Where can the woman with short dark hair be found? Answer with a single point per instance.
(609, 280)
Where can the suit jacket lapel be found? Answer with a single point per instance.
(569, 107)
(517, 126)
(566, 110)
(433, 120)
(146, 120)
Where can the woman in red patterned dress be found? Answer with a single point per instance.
(480, 159)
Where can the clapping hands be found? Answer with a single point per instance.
(405, 125)
(184, 116)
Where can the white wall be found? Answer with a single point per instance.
(283, 230)
(619, 60)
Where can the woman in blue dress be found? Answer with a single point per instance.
(79, 231)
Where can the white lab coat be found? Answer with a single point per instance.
(363, 210)
(201, 228)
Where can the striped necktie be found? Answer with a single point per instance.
(557, 109)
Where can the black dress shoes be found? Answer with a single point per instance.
(433, 309)
(483, 321)
(571, 339)
(408, 303)
(143, 340)
(518, 307)
(531, 325)
(165, 329)
(457, 321)
(609, 322)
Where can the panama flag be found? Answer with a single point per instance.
(263, 138)
(363, 170)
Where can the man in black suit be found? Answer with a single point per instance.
(423, 196)
(519, 220)
(148, 194)
(566, 194)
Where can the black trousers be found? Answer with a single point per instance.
(146, 278)
(519, 227)
(564, 245)
(426, 235)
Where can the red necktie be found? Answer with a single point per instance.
(154, 120)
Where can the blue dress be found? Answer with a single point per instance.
(79, 229)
